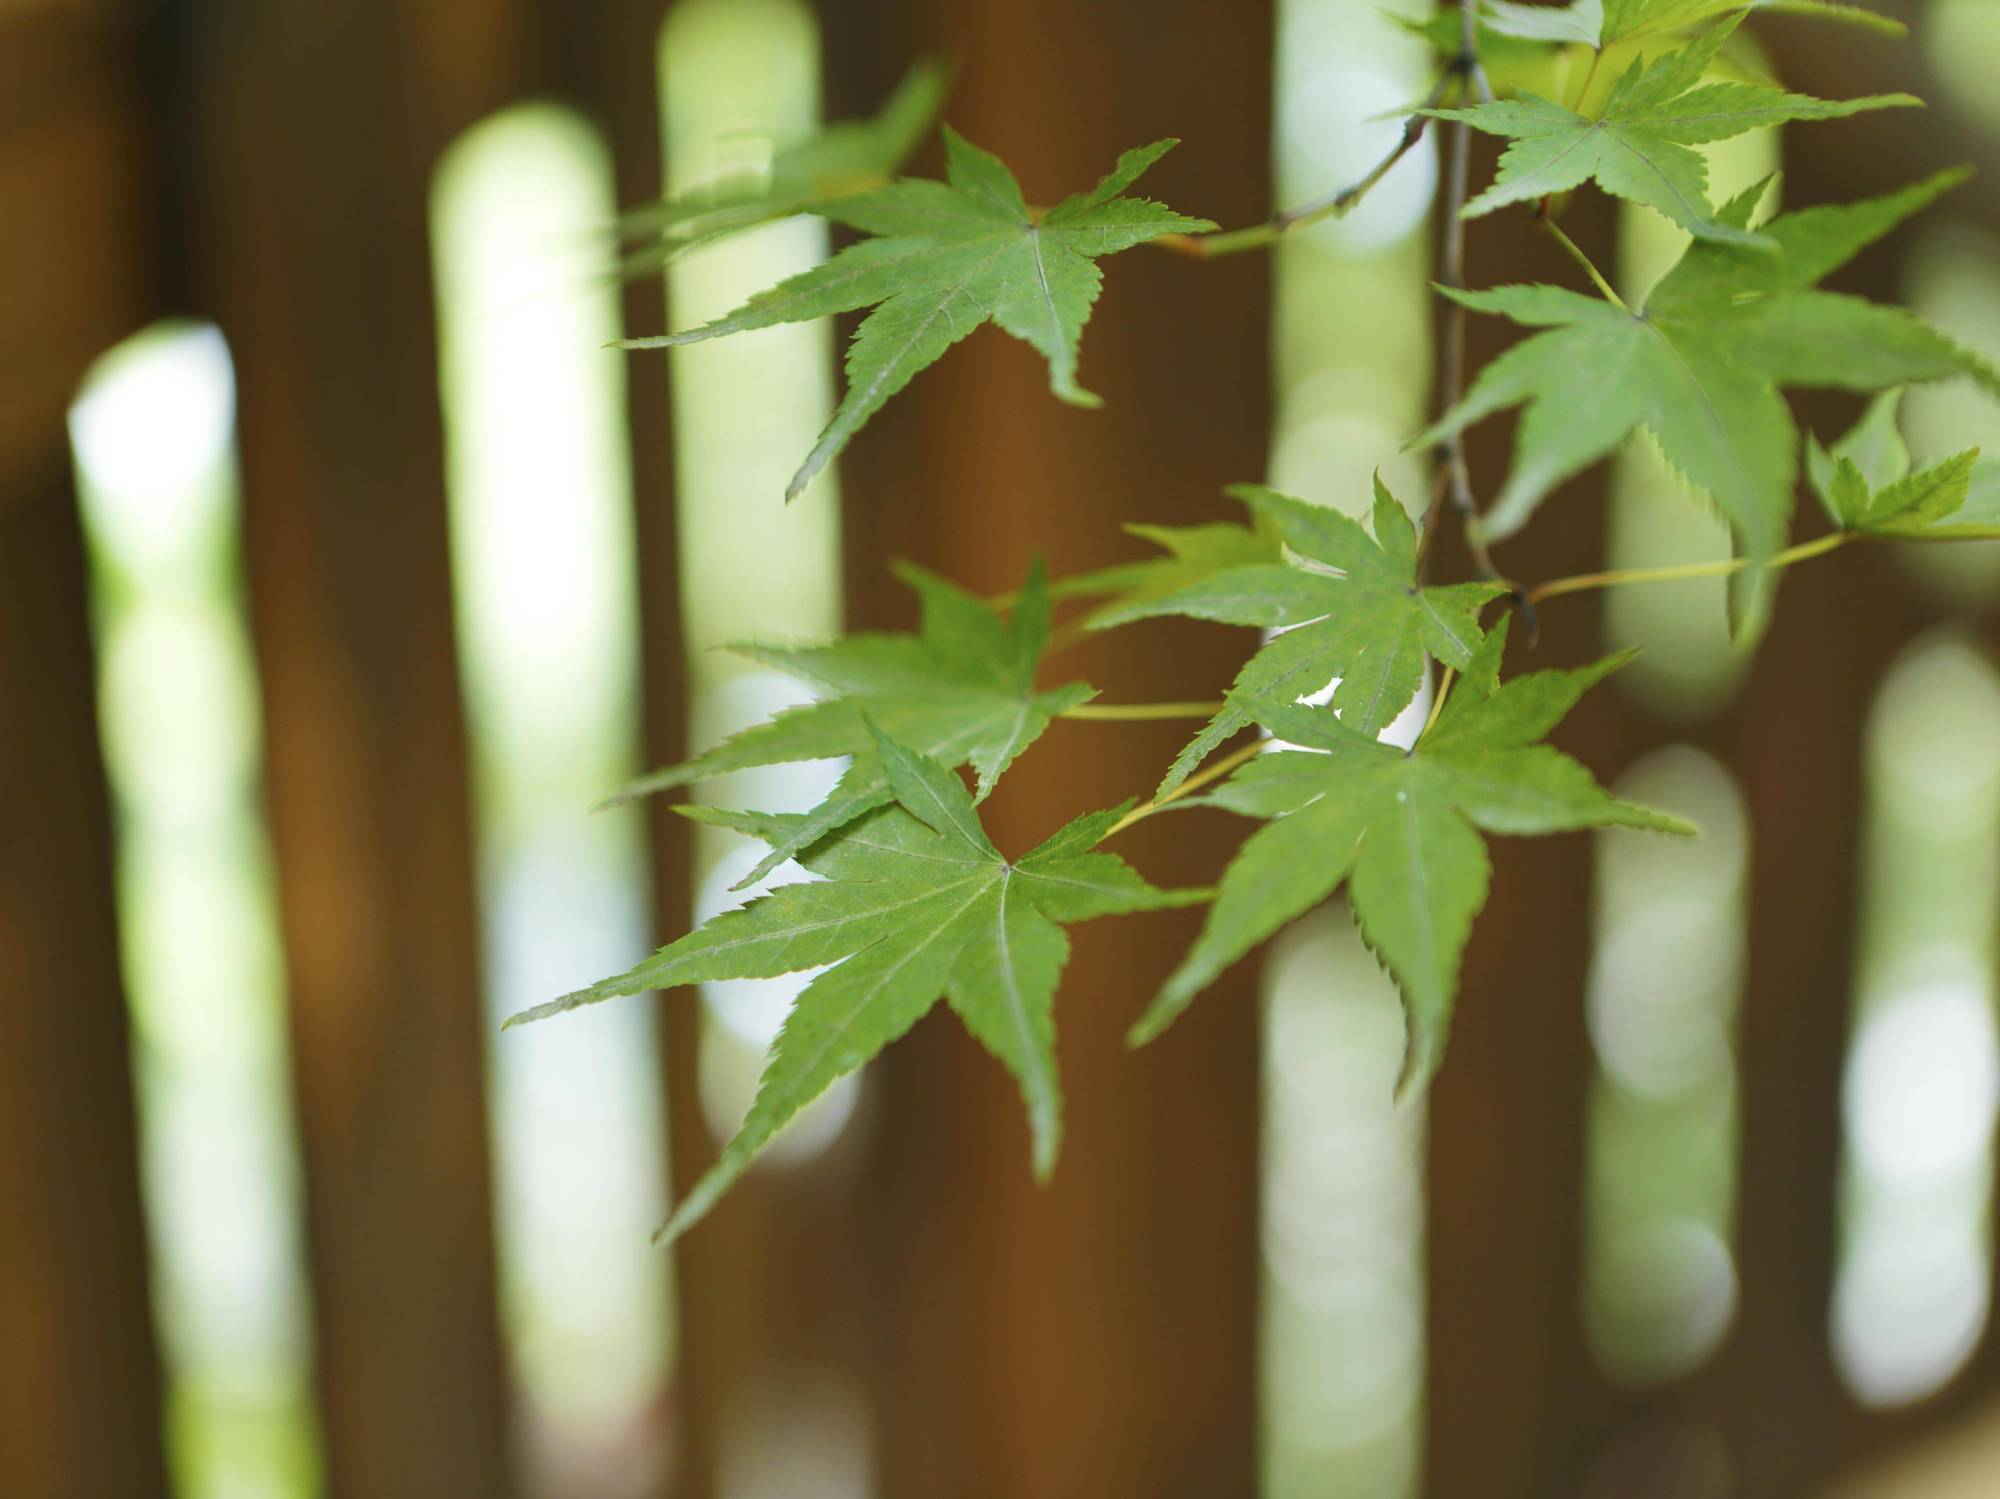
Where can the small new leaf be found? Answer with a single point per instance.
(1642, 147)
(1980, 514)
(1699, 366)
(1368, 622)
(948, 257)
(914, 902)
(849, 157)
(1402, 829)
(1866, 485)
(962, 690)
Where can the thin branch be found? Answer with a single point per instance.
(1455, 472)
(1547, 205)
(1067, 637)
(1437, 704)
(1805, 551)
(1575, 252)
(1195, 782)
(1141, 712)
(1458, 71)
(1589, 77)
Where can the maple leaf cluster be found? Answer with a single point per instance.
(903, 899)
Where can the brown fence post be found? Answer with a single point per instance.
(1096, 1337)
(80, 1382)
(607, 58)
(79, 1375)
(316, 135)
(1510, 1380)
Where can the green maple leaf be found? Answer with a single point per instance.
(1699, 367)
(1370, 624)
(1401, 827)
(1642, 147)
(1191, 554)
(1603, 23)
(849, 157)
(914, 902)
(1867, 485)
(950, 256)
(961, 689)
(1522, 45)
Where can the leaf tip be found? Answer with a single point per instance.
(1420, 1061)
(1047, 1146)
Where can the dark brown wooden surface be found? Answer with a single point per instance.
(1095, 1337)
(77, 268)
(605, 59)
(79, 1376)
(1795, 1423)
(316, 132)
(766, 1290)
(80, 1385)
(1510, 1383)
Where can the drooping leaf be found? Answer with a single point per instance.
(961, 689)
(1402, 829)
(1192, 554)
(1367, 623)
(1844, 11)
(1578, 23)
(1642, 146)
(914, 903)
(1700, 364)
(1866, 484)
(948, 257)
(1603, 23)
(1537, 47)
(845, 158)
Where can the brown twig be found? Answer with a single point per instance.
(1454, 472)
(1463, 71)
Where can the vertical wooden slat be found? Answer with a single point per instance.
(1097, 1336)
(1800, 756)
(607, 58)
(80, 1381)
(79, 1375)
(1800, 749)
(767, 1311)
(317, 131)
(1510, 1387)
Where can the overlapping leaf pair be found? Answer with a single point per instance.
(1361, 618)
(1640, 146)
(1399, 827)
(913, 903)
(1698, 366)
(961, 690)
